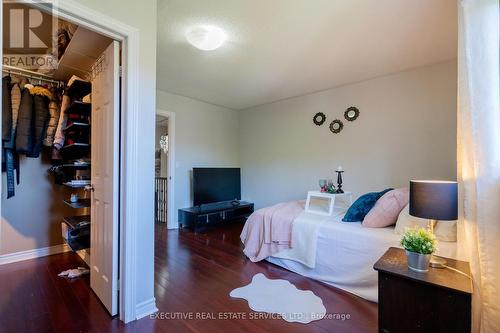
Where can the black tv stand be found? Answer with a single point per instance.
(201, 217)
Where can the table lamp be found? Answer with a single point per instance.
(434, 200)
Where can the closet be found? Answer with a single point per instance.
(68, 118)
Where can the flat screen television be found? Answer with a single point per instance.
(212, 185)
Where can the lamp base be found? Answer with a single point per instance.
(437, 262)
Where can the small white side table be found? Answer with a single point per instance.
(331, 198)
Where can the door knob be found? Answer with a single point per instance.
(89, 188)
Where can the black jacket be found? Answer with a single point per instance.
(32, 123)
(24, 136)
(6, 109)
(40, 121)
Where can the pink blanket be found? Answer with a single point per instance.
(269, 230)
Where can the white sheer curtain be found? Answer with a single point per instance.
(478, 146)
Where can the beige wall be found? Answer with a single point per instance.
(406, 130)
(32, 218)
(206, 135)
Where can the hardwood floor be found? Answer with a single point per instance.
(194, 274)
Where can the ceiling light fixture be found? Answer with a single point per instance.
(206, 37)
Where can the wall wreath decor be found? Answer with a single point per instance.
(351, 113)
(336, 126)
(319, 118)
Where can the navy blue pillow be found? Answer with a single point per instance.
(361, 207)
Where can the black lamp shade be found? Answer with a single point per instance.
(433, 199)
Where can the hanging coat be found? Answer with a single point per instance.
(24, 136)
(54, 111)
(11, 157)
(41, 117)
(6, 109)
(63, 119)
(15, 97)
(16, 101)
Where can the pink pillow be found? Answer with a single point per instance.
(387, 209)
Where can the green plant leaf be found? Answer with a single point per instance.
(419, 240)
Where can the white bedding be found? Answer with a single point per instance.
(304, 238)
(345, 254)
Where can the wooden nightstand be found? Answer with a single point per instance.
(436, 301)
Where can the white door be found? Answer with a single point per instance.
(104, 174)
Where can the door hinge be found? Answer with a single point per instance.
(121, 71)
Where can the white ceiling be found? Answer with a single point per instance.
(278, 49)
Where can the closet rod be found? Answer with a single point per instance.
(29, 74)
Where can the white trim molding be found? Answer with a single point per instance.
(33, 254)
(146, 308)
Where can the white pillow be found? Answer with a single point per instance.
(445, 231)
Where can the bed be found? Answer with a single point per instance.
(345, 253)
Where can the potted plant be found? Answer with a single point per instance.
(419, 244)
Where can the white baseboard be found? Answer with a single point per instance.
(173, 227)
(85, 255)
(32, 254)
(145, 308)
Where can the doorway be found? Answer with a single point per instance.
(132, 156)
(161, 169)
(165, 169)
(92, 92)
(63, 118)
